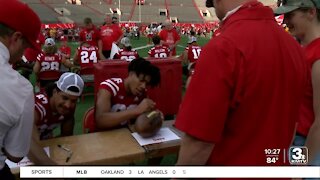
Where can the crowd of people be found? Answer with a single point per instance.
(253, 87)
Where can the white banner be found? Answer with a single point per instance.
(169, 172)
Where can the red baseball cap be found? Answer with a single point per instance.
(21, 18)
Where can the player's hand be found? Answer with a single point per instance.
(146, 105)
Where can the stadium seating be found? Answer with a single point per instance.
(184, 10)
(47, 14)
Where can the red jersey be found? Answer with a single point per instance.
(306, 113)
(193, 52)
(120, 100)
(49, 62)
(170, 37)
(91, 36)
(48, 119)
(109, 34)
(65, 50)
(87, 56)
(159, 52)
(242, 99)
(127, 55)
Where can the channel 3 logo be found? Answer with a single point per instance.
(298, 155)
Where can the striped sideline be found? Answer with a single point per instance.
(142, 47)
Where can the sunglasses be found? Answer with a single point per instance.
(209, 3)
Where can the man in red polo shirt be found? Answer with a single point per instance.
(169, 37)
(109, 33)
(245, 94)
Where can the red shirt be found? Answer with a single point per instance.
(120, 100)
(307, 115)
(193, 52)
(170, 37)
(91, 36)
(243, 98)
(159, 52)
(65, 50)
(109, 34)
(48, 120)
(127, 55)
(87, 56)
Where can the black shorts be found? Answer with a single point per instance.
(106, 53)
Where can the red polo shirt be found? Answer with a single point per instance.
(246, 90)
(109, 34)
(170, 37)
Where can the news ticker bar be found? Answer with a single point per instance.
(169, 172)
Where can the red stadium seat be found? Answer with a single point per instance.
(167, 95)
(88, 121)
(85, 73)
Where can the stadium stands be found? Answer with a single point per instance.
(185, 13)
(185, 10)
(150, 13)
(46, 14)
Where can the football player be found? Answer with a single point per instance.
(120, 100)
(54, 107)
(158, 51)
(192, 51)
(149, 33)
(190, 56)
(126, 53)
(86, 55)
(48, 63)
(64, 51)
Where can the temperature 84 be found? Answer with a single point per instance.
(272, 160)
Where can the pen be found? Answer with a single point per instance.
(69, 156)
(68, 151)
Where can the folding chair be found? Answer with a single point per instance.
(88, 125)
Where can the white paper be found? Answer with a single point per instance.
(164, 134)
(25, 161)
(114, 50)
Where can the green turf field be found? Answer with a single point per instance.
(88, 101)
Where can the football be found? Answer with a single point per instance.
(148, 124)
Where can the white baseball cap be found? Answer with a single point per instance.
(68, 80)
(49, 42)
(125, 41)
